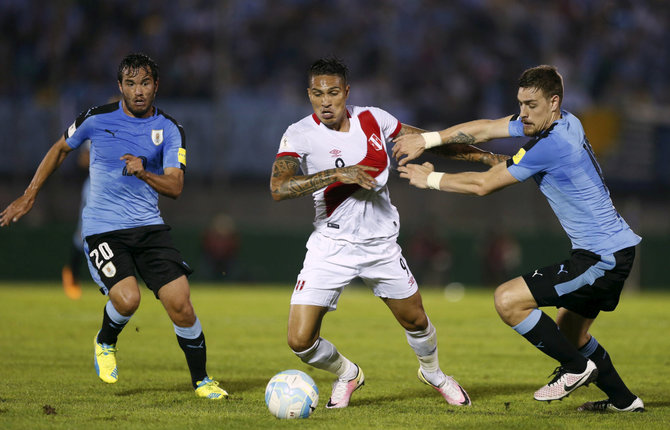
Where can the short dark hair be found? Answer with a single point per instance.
(545, 78)
(329, 66)
(136, 61)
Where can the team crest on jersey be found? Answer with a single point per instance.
(157, 136)
(336, 153)
(109, 269)
(376, 142)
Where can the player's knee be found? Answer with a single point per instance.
(504, 301)
(299, 343)
(127, 304)
(182, 313)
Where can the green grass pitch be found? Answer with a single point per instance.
(47, 379)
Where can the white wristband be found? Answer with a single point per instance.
(432, 139)
(433, 180)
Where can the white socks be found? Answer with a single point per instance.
(323, 355)
(424, 344)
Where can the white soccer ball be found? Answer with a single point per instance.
(291, 394)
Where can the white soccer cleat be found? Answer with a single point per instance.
(565, 383)
(342, 390)
(451, 390)
(606, 405)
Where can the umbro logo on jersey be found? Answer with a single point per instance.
(376, 142)
(336, 153)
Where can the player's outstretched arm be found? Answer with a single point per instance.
(477, 183)
(170, 183)
(286, 184)
(21, 206)
(411, 146)
(459, 151)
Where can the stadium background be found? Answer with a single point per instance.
(233, 73)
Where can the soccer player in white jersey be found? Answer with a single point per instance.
(341, 151)
(560, 159)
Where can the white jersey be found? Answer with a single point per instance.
(347, 211)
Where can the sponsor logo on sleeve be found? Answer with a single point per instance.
(519, 155)
(284, 142)
(72, 129)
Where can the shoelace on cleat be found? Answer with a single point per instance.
(557, 374)
(107, 349)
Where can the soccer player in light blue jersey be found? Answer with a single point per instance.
(136, 153)
(560, 159)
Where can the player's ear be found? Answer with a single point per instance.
(156, 86)
(346, 91)
(555, 102)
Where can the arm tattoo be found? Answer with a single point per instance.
(461, 137)
(468, 153)
(286, 185)
(408, 129)
(487, 158)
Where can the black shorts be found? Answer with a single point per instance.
(586, 283)
(115, 255)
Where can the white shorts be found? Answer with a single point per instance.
(330, 265)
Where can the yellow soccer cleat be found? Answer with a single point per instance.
(209, 389)
(105, 361)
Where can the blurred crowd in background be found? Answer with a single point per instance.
(429, 62)
(446, 60)
(233, 72)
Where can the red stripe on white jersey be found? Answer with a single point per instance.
(376, 156)
(288, 154)
(397, 130)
